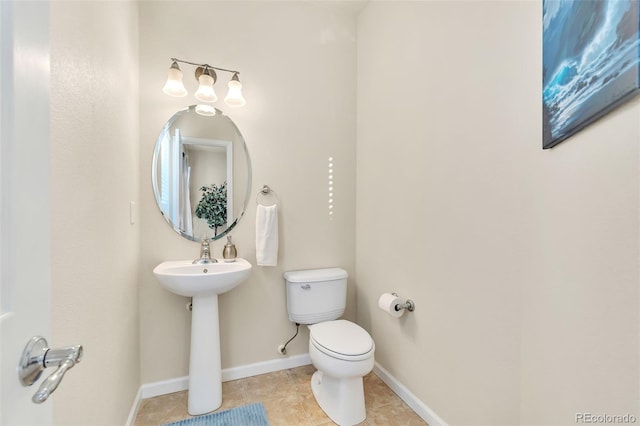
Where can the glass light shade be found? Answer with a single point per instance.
(234, 96)
(205, 92)
(207, 110)
(174, 86)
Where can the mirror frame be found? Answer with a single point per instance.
(154, 173)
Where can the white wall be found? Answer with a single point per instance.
(297, 62)
(95, 174)
(523, 263)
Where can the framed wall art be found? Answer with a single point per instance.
(591, 62)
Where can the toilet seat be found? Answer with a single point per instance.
(342, 339)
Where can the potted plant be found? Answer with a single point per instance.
(213, 205)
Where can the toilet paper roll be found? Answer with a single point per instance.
(387, 302)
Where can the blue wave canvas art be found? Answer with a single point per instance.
(591, 62)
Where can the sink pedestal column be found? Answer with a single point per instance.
(205, 371)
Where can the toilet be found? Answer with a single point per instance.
(341, 351)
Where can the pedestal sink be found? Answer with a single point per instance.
(203, 283)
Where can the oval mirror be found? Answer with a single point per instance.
(201, 174)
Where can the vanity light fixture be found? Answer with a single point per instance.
(174, 86)
(206, 76)
(234, 95)
(205, 92)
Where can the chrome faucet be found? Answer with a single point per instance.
(205, 253)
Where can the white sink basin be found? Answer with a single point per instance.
(203, 283)
(186, 279)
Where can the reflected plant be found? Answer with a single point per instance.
(213, 205)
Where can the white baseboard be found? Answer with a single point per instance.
(164, 387)
(134, 409)
(426, 413)
(264, 367)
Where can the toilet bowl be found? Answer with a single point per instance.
(341, 351)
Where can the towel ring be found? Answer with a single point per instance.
(266, 191)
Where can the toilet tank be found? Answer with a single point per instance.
(316, 295)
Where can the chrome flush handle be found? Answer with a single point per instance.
(37, 356)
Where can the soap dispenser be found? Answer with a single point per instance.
(229, 253)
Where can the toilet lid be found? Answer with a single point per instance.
(342, 337)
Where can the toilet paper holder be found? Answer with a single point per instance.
(408, 305)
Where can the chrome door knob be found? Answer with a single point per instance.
(37, 356)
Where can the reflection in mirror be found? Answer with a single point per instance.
(201, 174)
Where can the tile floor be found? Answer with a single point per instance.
(287, 398)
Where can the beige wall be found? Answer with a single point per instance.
(94, 176)
(523, 263)
(297, 63)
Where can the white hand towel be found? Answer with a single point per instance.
(267, 235)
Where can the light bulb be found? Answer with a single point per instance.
(205, 92)
(207, 110)
(234, 95)
(174, 86)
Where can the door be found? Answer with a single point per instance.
(25, 207)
